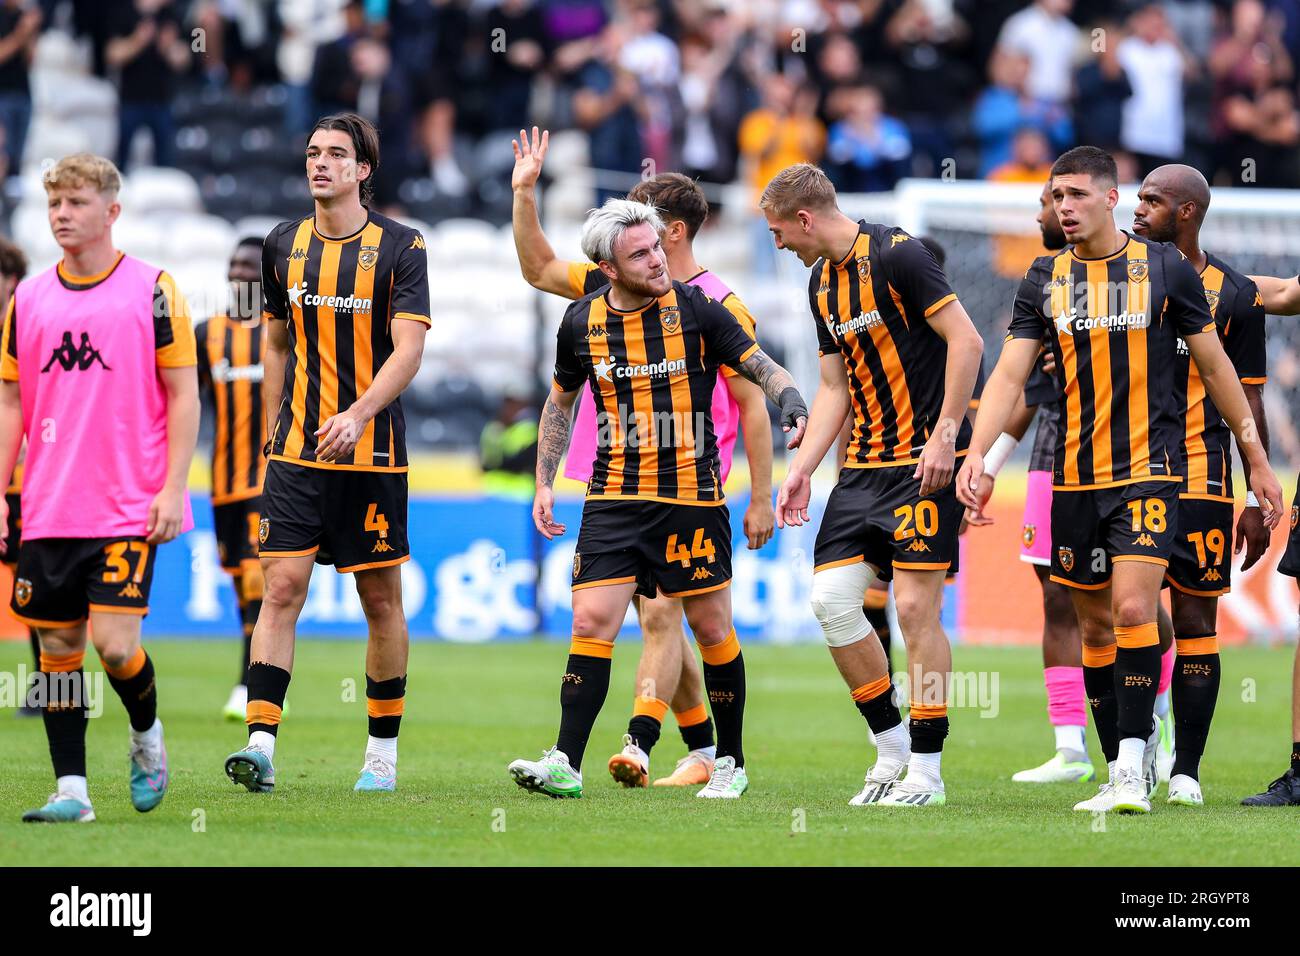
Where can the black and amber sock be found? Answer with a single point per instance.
(251, 587)
(267, 686)
(647, 721)
(134, 682)
(1295, 757)
(582, 694)
(1195, 690)
(724, 679)
(385, 700)
(1137, 677)
(927, 725)
(36, 647)
(696, 727)
(65, 710)
(875, 700)
(1099, 685)
(873, 606)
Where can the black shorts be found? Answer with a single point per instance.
(59, 581)
(13, 527)
(354, 520)
(236, 525)
(877, 515)
(1201, 563)
(678, 549)
(1290, 563)
(1093, 528)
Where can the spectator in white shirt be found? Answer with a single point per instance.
(1043, 32)
(1152, 126)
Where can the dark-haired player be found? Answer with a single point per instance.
(1172, 203)
(655, 519)
(1114, 307)
(230, 347)
(346, 298)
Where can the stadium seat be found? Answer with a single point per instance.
(197, 236)
(462, 242)
(152, 189)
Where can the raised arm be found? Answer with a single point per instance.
(537, 260)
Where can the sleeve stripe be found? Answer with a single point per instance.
(413, 317)
(556, 383)
(748, 353)
(951, 296)
(1255, 381)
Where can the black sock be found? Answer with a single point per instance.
(698, 736)
(879, 620)
(1295, 756)
(927, 734)
(65, 720)
(385, 701)
(134, 683)
(36, 646)
(267, 685)
(582, 694)
(248, 614)
(725, 684)
(1137, 673)
(30, 698)
(1099, 685)
(644, 730)
(880, 712)
(1195, 690)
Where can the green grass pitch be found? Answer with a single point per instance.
(472, 709)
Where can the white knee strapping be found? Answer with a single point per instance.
(837, 602)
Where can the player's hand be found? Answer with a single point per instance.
(936, 464)
(983, 492)
(1265, 485)
(759, 521)
(339, 435)
(968, 480)
(1251, 534)
(792, 501)
(529, 156)
(166, 516)
(544, 514)
(796, 437)
(1048, 362)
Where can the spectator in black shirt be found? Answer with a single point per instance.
(1100, 88)
(149, 51)
(20, 23)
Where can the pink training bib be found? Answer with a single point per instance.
(94, 408)
(581, 458)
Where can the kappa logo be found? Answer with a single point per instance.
(130, 591)
(571, 679)
(368, 256)
(1212, 575)
(1137, 270)
(80, 357)
(1145, 540)
(1066, 557)
(298, 254)
(597, 332)
(263, 530)
(417, 242)
(824, 286)
(670, 318)
(917, 545)
(380, 547)
(864, 268)
(22, 592)
(1027, 535)
(1259, 299)
(898, 237)
(701, 573)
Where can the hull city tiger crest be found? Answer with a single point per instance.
(1066, 557)
(1295, 516)
(368, 256)
(1212, 299)
(263, 530)
(577, 565)
(1137, 270)
(23, 591)
(670, 317)
(864, 268)
(1028, 534)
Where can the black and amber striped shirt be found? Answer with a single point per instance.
(1114, 325)
(1206, 445)
(230, 375)
(652, 373)
(340, 298)
(871, 308)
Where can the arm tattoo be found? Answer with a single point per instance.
(552, 441)
(767, 375)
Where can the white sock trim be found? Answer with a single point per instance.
(73, 786)
(382, 746)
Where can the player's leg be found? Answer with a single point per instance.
(1195, 689)
(693, 723)
(270, 665)
(918, 598)
(656, 682)
(875, 605)
(862, 662)
(709, 616)
(1067, 700)
(115, 633)
(249, 589)
(60, 689)
(380, 591)
(598, 612)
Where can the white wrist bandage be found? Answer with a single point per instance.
(998, 454)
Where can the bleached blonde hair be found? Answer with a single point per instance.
(603, 226)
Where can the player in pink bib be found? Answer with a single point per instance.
(97, 370)
(668, 675)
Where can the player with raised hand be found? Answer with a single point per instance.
(655, 519)
(1172, 203)
(97, 365)
(668, 675)
(346, 300)
(1114, 307)
(897, 349)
